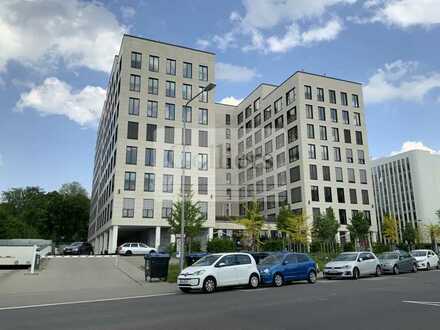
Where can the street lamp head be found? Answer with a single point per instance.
(209, 87)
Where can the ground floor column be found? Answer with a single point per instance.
(113, 239)
(157, 238)
(210, 233)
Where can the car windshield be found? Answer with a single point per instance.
(207, 260)
(419, 253)
(346, 257)
(389, 256)
(271, 260)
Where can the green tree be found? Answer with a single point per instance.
(409, 235)
(299, 229)
(253, 223)
(433, 230)
(390, 230)
(194, 219)
(325, 227)
(284, 218)
(359, 229)
(72, 189)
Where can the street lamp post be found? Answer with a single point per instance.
(207, 88)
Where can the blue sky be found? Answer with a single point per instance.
(55, 57)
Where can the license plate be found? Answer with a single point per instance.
(184, 281)
(333, 271)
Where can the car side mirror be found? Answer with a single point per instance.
(221, 264)
(361, 259)
(401, 257)
(285, 262)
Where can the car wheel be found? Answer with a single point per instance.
(311, 278)
(152, 251)
(396, 270)
(254, 281)
(378, 271)
(209, 285)
(356, 274)
(278, 280)
(185, 290)
(414, 268)
(128, 253)
(428, 267)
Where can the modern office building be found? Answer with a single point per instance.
(302, 144)
(407, 186)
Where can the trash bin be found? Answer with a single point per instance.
(156, 266)
(193, 257)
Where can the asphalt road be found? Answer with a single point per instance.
(371, 303)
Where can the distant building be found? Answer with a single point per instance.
(302, 144)
(407, 186)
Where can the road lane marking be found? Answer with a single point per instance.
(427, 303)
(87, 301)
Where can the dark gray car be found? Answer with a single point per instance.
(397, 262)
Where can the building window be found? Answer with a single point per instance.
(203, 206)
(240, 118)
(323, 133)
(347, 136)
(335, 134)
(293, 154)
(281, 179)
(345, 117)
(295, 195)
(133, 106)
(132, 130)
(185, 184)
(153, 64)
(332, 96)
(152, 109)
(257, 120)
(131, 155)
(135, 83)
(150, 157)
(334, 115)
(149, 182)
(153, 86)
(186, 136)
(313, 172)
(170, 88)
(294, 174)
(363, 176)
(168, 158)
(279, 141)
(350, 175)
(228, 176)
(315, 193)
(203, 97)
(169, 134)
(268, 147)
(337, 154)
(281, 159)
(324, 153)
(228, 133)
(203, 138)
(339, 174)
(320, 92)
(248, 111)
(349, 154)
(270, 202)
(326, 173)
(341, 196)
(187, 70)
(228, 119)
(342, 217)
(344, 98)
(130, 181)
(321, 112)
(308, 92)
(310, 131)
(128, 208)
(203, 163)
(203, 116)
(148, 209)
(203, 73)
(170, 111)
(186, 91)
(355, 100)
(312, 151)
(268, 130)
(203, 185)
(365, 198)
(282, 198)
(167, 184)
(267, 113)
(136, 60)
(291, 115)
(353, 196)
(357, 119)
(257, 105)
(309, 111)
(361, 157)
(167, 208)
(171, 67)
(292, 134)
(187, 114)
(278, 105)
(359, 139)
(151, 132)
(290, 96)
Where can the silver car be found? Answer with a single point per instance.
(397, 262)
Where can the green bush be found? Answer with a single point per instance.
(379, 248)
(196, 246)
(273, 245)
(220, 245)
(348, 247)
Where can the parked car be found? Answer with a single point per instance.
(220, 270)
(280, 268)
(129, 249)
(426, 259)
(353, 265)
(78, 248)
(397, 262)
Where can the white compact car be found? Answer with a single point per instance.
(426, 259)
(218, 270)
(129, 249)
(353, 265)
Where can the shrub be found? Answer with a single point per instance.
(273, 245)
(196, 246)
(348, 247)
(379, 248)
(220, 245)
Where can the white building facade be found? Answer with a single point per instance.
(407, 187)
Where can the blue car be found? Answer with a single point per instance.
(280, 268)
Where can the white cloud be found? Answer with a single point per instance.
(55, 97)
(400, 80)
(127, 12)
(230, 100)
(38, 33)
(295, 16)
(234, 73)
(203, 43)
(415, 145)
(406, 13)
